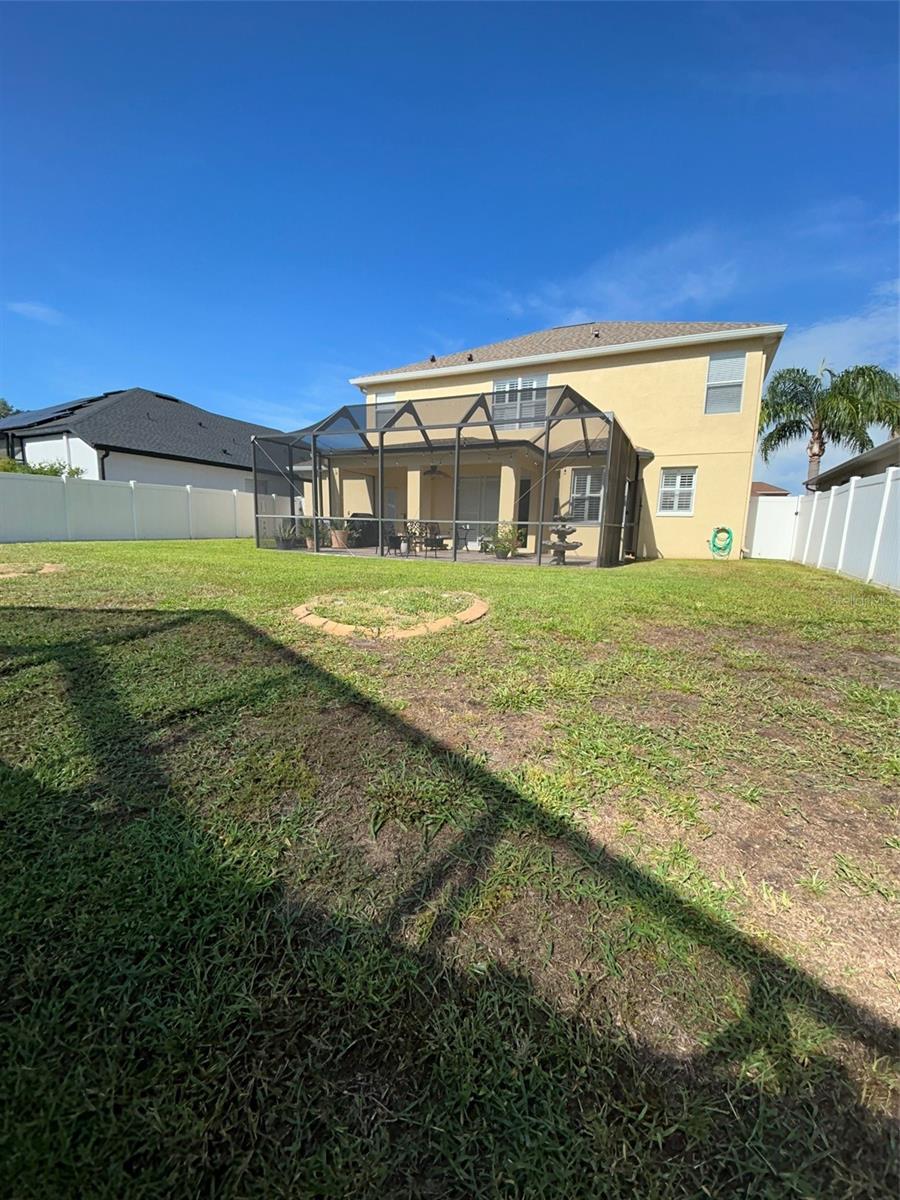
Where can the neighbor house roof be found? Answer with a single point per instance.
(870, 462)
(757, 488)
(575, 341)
(143, 422)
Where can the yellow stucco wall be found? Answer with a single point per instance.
(658, 396)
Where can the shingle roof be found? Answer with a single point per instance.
(563, 338)
(758, 488)
(147, 423)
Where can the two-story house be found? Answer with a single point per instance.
(641, 434)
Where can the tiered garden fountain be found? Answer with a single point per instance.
(562, 544)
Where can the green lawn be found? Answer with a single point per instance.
(595, 897)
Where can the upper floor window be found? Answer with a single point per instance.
(586, 502)
(725, 381)
(385, 407)
(520, 402)
(676, 491)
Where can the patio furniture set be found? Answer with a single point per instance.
(426, 537)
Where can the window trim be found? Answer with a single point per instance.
(723, 383)
(660, 511)
(589, 471)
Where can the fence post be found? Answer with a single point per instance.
(812, 521)
(65, 480)
(851, 492)
(134, 527)
(187, 488)
(889, 476)
(797, 509)
(234, 495)
(826, 526)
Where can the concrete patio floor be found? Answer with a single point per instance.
(463, 556)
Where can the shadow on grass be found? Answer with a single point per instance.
(188, 1015)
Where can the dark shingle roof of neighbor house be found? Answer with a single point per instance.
(144, 422)
(565, 338)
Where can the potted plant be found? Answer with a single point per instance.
(285, 536)
(305, 531)
(486, 539)
(338, 533)
(506, 541)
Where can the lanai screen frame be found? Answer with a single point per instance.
(621, 461)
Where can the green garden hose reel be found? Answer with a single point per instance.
(721, 541)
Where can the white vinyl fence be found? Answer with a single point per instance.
(854, 528)
(42, 508)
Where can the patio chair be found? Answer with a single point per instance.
(433, 542)
(462, 537)
(392, 539)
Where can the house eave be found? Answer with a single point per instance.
(694, 339)
(206, 462)
(889, 451)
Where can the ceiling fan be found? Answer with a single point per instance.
(432, 471)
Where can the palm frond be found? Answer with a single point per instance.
(842, 420)
(793, 394)
(872, 393)
(781, 435)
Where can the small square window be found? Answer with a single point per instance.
(676, 491)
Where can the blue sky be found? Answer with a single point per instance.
(244, 205)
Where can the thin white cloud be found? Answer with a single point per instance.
(324, 389)
(711, 271)
(441, 342)
(33, 310)
(870, 336)
(694, 269)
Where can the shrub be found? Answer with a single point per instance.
(54, 467)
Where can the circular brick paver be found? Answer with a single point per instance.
(304, 613)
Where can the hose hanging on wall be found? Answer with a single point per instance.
(721, 541)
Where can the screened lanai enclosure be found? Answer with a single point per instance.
(454, 477)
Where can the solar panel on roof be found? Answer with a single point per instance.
(37, 414)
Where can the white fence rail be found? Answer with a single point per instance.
(854, 528)
(42, 508)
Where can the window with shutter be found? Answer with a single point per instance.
(676, 491)
(520, 403)
(725, 382)
(586, 502)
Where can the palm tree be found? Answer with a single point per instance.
(839, 408)
(877, 393)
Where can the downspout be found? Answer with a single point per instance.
(102, 456)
